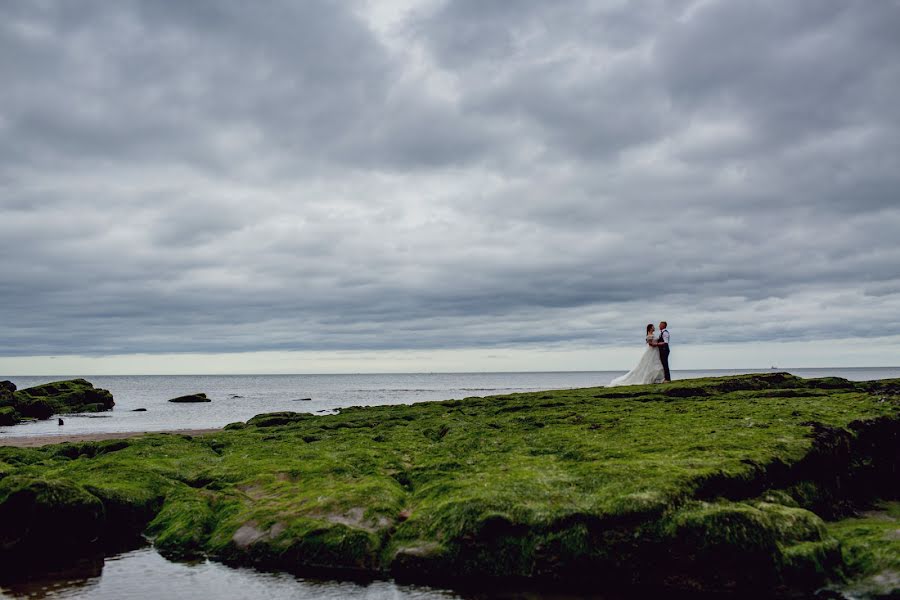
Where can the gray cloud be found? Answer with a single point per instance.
(222, 177)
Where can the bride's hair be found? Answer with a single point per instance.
(649, 327)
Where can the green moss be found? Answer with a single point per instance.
(870, 545)
(36, 408)
(182, 527)
(741, 542)
(653, 483)
(47, 515)
(43, 401)
(9, 415)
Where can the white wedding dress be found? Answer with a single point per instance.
(648, 370)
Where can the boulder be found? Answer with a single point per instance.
(9, 416)
(6, 393)
(36, 408)
(44, 401)
(190, 398)
(72, 395)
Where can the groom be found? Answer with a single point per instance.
(663, 344)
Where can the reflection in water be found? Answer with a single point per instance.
(144, 574)
(69, 582)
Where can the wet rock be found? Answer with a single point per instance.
(190, 398)
(277, 419)
(36, 408)
(69, 396)
(139, 410)
(9, 416)
(46, 517)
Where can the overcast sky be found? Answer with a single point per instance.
(222, 186)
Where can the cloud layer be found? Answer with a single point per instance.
(225, 177)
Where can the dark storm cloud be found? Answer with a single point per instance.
(219, 176)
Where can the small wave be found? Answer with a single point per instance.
(86, 415)
(447, 390)
(400, 390)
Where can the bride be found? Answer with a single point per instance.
(648, 370)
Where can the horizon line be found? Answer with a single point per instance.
(245, 374)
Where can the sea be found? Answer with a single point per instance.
(240, 397)
(143, 573)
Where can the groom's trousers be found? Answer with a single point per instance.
(664, 359)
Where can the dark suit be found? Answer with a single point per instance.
(664, 354)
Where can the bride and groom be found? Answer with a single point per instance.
(654, 364)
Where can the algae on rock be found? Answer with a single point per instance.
(716, 484)
(44, 401)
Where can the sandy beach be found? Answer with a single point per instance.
(44, 440)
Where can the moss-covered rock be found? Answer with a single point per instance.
(9, 415)
(870, 546)
(44, 401)
(47, 516)
(712, 484)
(274, 419)
(742, 545)
(36, 408)
(6, 393)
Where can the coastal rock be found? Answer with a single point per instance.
(750, 484)
(191, 398)
(43, 516)
(139, 410)
(44, 401)
(37, 408)
(9, 416)
(8, 413)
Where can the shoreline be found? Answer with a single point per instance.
(36, 441)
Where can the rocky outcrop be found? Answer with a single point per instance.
(44, 401)
(8, 413)
(724, 485)
(190, 398)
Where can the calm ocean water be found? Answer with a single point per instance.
(143, 574)
(240, 397)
